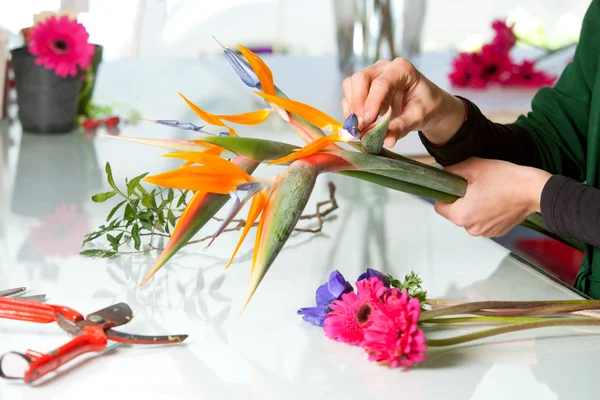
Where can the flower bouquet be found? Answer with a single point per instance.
(218, 166)
(49, 70)
(389, 319)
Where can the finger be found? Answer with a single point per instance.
(397, 127)
(345, 108)
(360, 84)
(442, 208)
(397, 76)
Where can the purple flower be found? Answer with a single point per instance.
(332, 290)
(372, 273)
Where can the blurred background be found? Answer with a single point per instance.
(182, 29)
(310, 45)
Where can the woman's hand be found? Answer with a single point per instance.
(499, 196)
(417, 103)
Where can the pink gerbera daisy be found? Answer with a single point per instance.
(61, 44)
(350, 315)
(392, 336)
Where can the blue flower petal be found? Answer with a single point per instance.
(314, 315)
(243, 70)
(351, 125)
(324, 296)
(373, 273)
(338, 285)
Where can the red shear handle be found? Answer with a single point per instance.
(93, 339)
(25, 310)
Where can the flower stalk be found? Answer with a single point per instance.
(543, 323)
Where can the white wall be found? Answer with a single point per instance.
(182, 29)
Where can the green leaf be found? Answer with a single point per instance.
(172, 218)
(171, 195)
(114, 210)
(111, 180)
(102, 197)
(129, 213)
(181, 200)
(147, 225)
(141, 189)
(97, 253)
(135, 234)
(131, 186)
(114, 243)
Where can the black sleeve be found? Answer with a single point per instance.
(569, 208)
(572, 209)
(480, 137)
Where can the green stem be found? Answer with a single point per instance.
(550, 305)
(550, 322)
(459, 320)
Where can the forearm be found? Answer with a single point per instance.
(571, 209)
(480, 137)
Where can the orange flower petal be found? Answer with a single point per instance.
(259, 203)
(304, 111)
(262, 71)
(208, 117)
(309, 149)
(196, 178)
(225, 168)
(249, 118)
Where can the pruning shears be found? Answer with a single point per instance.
(91, 334)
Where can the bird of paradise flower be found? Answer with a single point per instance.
(278, 200)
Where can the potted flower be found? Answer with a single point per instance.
(49, 70)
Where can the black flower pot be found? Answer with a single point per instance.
(47, 102)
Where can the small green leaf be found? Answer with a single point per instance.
(114, 243)
(102, 197)
(114, 210)
(129, 213)
(135, 234)
(97, 253)
(172, 218)
(111, 180)
(171, 195)
(180, 201)
(147, 201)
(131, 186)
(141, 189)
(147, 225)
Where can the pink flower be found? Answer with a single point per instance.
(467, 71)
(524, 74)
(477, 70)
(505, 38)
(495, 62)
(61, 44)
(392, 336)
(350, 315)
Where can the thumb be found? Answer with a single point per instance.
(443, 209)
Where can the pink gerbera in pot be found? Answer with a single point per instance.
(61, 44)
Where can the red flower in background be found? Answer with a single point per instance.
(61, 233)
(492, 65)
(505, 38)
(524, 74)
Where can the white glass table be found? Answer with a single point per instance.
(268, 352)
